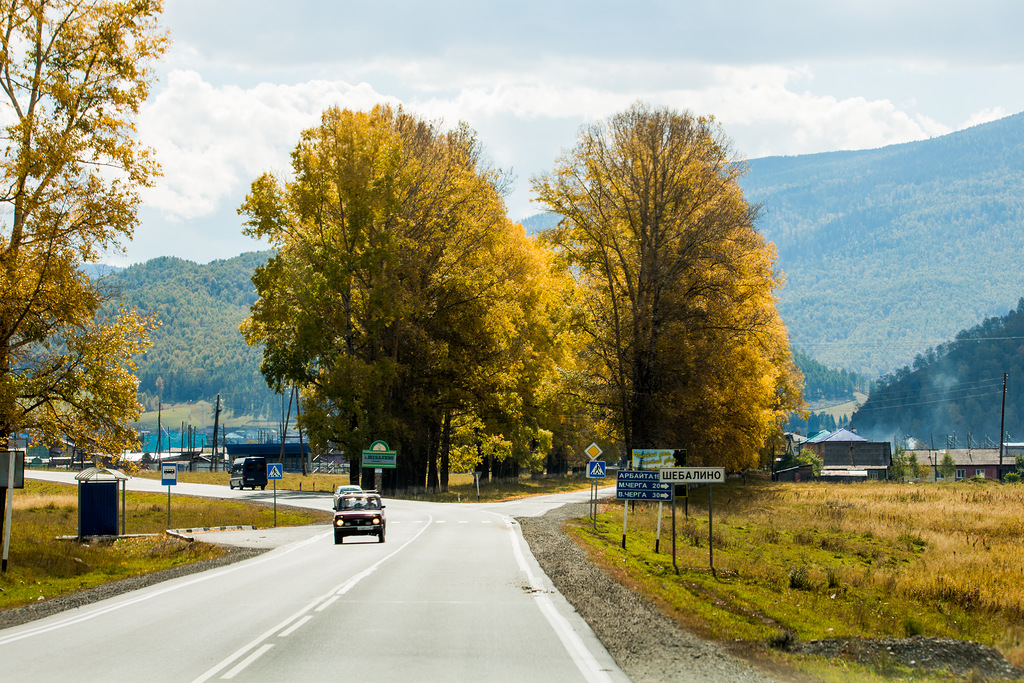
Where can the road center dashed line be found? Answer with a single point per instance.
(291, 629)
(246, 662)
(300, 617)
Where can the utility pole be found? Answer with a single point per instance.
(285, 421)
(1002, 422)
(159, 434)
(298, 415)
(216, 423)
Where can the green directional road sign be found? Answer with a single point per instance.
(379, 455)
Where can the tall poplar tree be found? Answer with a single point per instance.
(72, 76)
(685, 346)
(399, 293)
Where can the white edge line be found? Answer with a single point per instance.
(582, 657)
(198, 578)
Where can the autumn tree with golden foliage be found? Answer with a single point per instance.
(685, 346)
(401, 299)
(72, 74)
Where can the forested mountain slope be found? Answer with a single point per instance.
(956, 388)
(887, 252)
(198, 351)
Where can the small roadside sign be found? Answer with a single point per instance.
(634, 485)
(596, 469)
(692, 475)
(16, 458)
(275, 470)
(380, 456)
(593, 451)
(168, 478)
(652, 459)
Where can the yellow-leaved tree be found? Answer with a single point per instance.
(73, 75)
(684, 347)
(400, 297)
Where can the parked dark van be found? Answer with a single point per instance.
(250, 471)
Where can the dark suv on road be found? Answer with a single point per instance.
(359, 514)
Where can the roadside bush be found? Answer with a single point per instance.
(800, 579)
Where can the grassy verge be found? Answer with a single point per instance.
(816, 561)
(460, 486)
(40, 566)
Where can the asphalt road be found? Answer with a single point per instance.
(454, 594)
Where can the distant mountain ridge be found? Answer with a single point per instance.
(198, 350)
(890, 251)
(886, 253)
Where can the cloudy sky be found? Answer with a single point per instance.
(244, 77)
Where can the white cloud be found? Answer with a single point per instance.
(985, 115)
(211, 141)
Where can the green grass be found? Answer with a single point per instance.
(200, 413)
(806, 562)
(41, 566)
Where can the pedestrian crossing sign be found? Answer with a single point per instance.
(275, 470)
(596, 469)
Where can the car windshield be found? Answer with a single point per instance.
(360, 504)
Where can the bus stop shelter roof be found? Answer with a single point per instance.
(101, 474)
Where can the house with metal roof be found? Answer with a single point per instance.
(847, 456)
(969, 462)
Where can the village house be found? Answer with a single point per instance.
(847, 456)
(969, 462)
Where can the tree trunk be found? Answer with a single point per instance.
(446, 444)
(433, 483)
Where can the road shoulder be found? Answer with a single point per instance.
(646, 644)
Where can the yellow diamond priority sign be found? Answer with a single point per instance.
(592, 451)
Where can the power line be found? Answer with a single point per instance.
(895, 404)
(901, 342)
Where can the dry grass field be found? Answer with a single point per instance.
(814, 561)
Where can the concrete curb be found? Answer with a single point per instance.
(183, 534)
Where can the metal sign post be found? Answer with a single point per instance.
(634, 485)
(674, 564)
(275, 471)
(169, 478)
(596, 469)
(657, 534)
(694, 475)
(9, 492)
(711, 545)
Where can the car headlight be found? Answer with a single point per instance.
(340, 521)
(376, 520)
